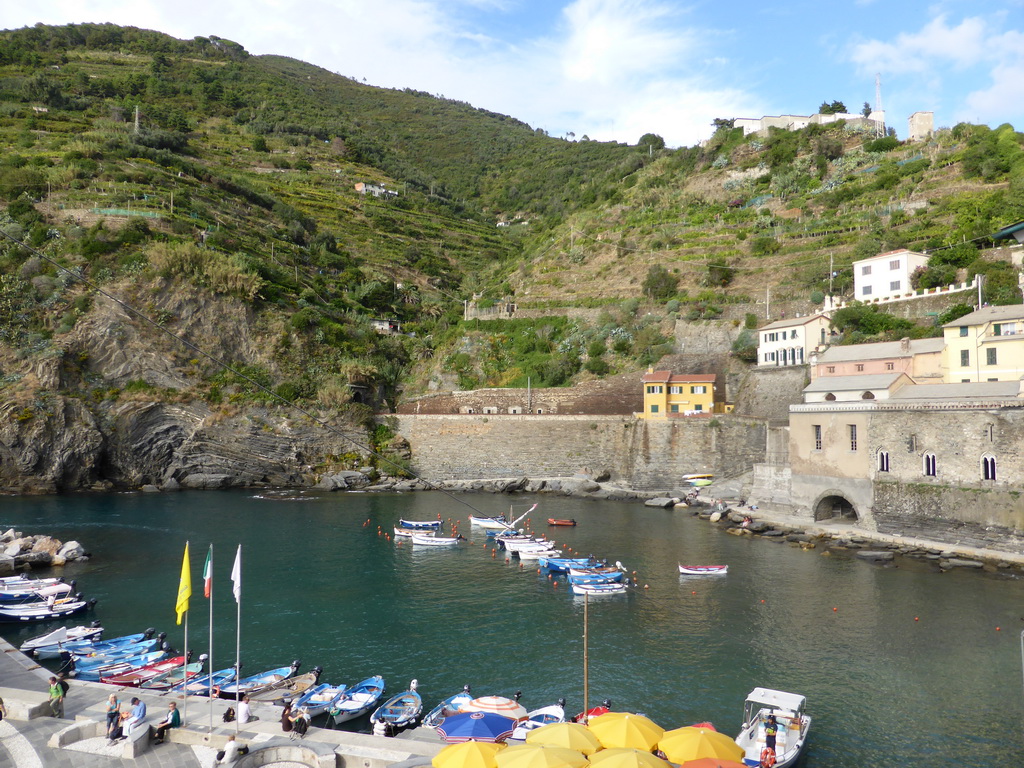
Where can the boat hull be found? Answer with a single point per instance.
(358, 700)
(703, 570)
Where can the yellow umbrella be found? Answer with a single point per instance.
(569, 735)
(627, 758)
(468, 754)
(621, 729)
(692, 743)
(532, 756)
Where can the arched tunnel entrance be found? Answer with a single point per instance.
(835, 507)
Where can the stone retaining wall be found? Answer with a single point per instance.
(643, 454)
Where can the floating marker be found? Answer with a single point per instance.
(694, 592)
(834, 610)
(915, 618)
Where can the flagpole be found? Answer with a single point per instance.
(181, 608)
(184, 673)
(208, 590)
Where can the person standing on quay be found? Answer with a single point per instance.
(56, 698)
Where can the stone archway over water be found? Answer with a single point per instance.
(835, 506)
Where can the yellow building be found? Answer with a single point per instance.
(986, 345)
(668, 395)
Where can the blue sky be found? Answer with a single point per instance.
(616, 69)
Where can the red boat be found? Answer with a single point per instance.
(604, 708)
(138, 676)
(554, 521)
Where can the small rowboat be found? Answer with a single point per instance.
(288, 689)
(86, 647)
(94, 674)
(173, 677)
(555, 521)
(435, 541)
(200, 686)
(397, 712)
(489, 523)
(421, 525)
(319, 698)
(258, 682)
(137, 677)
(611, 588)
(405, 533)
(703, 570)
(450, 706)
(563, 564)
(537, 554)
(358, 700)
(52, 643)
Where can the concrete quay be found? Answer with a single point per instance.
(31, 738)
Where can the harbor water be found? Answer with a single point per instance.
(901, 665)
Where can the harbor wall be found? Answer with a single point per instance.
(643, 454)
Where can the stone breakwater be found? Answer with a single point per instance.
(875, 547)
(19, 552)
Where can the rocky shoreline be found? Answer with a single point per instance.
(22, 553)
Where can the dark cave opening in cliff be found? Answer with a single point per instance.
(834, 508)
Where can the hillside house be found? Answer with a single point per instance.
(377, 190)
(886, 275)
(986, 345)
(669, 395)
(921, 359)
(386, 327)
(791, 342)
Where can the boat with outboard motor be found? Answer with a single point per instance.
(489, 523)
(357, 700)
(202, 684)
(51, 644)
(55, 602)
(255, 683)
(397, 712)
(86, 647)
(288, 689)
(174, 677)
(27, 589)
(764, 711)
(450, 706)
(554, 713)
(319, 699)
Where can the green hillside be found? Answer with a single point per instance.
(150, 165)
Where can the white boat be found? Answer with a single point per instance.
(436, 541)
(53, 642)
(610, 588)
(489, 523)
(792, 725)
(520, 545)
(703, 570)
(404, 533)
(537, 554)
(537, 718)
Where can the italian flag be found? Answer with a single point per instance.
(208, 573)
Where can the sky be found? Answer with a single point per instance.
(614, 70)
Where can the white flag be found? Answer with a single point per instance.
(236, 575)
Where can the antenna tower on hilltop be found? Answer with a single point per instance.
(880, 120)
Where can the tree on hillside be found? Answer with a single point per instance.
(835, 108)
(866, 110)
(660, 284)
(723, 123)
(651, 141)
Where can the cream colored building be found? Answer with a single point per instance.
(791, 342)
(986, 345)
(886, 275)
(844, 389)
(921, 359)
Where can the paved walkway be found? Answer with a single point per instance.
(29, 737)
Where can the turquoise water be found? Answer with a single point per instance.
(321, 585)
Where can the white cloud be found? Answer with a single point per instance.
(963, 45)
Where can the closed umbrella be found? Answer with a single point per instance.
(569, 735)
(532, 756)
(626, 758)
(691, 743)
(479, 726)
(467, 754)
(621, 729)
(497, 704)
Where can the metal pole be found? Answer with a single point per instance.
(210, 670)
(586, 659)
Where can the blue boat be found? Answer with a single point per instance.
(52, 644)
(23, 590)
(397, 712)
(421, 525)
(85, 647)
(319, 698)
(115, 654)
(200, 686)
(450, 706)
(563, 564)
(358, 700)
(257, 682)
(94, 674)
(596, 578)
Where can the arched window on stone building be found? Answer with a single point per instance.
(930, 468)
(868, 395)
(988, 467)
(830, 397)
(883, 461)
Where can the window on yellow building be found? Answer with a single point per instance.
(700, 390)
(674, 408)
(654, 409)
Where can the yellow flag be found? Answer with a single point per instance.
(184, 586)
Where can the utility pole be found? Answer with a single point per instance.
(136, 118)
(767, 303)
(831, 273)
